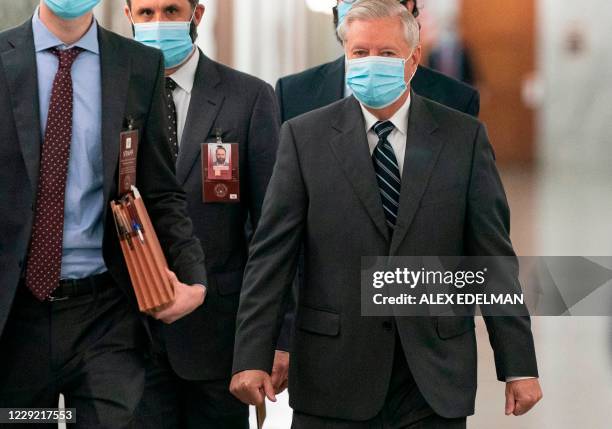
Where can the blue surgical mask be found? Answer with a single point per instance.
(377, 82)
(71, 9)
(172, 38)
(343, 9)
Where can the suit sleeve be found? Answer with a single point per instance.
(272, 264)
(165, 200)
(488, 234)
(262, 147)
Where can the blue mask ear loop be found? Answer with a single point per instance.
(192, 42)
(192, 16)
(415, 70)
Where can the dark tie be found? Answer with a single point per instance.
(387, 172)
(44, 261)
(172, 134)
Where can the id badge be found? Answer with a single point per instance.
(220, 172)
(128, 157)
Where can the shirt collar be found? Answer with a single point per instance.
(399, 119)
(44, 39)
(185, 76)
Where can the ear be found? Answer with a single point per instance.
(415, 59)
(126, 11)
(199, 14)
(412, 63)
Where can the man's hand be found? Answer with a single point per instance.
(186, 300)
(522, 395)
(252, 387)
(280, 371)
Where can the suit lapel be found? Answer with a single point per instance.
(350, 147)
(21, 74)
(204, 107)
(115, 69)
(422, 151)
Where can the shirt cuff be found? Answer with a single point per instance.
(509, 379)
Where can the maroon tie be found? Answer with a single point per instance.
(44, 262)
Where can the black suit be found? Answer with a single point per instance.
(199, 348)
(324, 195)
(101, 343)
(322, 85)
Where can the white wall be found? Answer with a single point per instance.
(576, 113)
(269, 37)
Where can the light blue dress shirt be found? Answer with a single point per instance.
(83, 210)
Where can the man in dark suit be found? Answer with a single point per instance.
(68, 316)
(325, 84)
(385, 173)
(190, 366)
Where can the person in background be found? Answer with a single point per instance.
(189, 369)
(324, 84)
(68, 315)
(451, 57)
(383, 172)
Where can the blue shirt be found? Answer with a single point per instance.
(84, 204)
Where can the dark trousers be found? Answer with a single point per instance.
(87, 348)
(170, 402)
(404, 408)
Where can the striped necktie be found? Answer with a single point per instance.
(387, 172)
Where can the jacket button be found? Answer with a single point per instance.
(387, 326)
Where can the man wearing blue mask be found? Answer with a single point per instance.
(236, 115)
(69, 91)
(383, 172)
(324, 84)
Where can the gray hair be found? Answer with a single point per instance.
(365, 10)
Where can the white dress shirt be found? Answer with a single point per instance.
(398, 136)
(184, 78)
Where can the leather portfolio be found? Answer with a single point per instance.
(142, 251)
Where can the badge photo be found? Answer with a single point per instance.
(219, 161)
(220, 172)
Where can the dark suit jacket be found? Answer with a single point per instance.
(200, 346)
(324, 194)
(322, 85)
(129, 90)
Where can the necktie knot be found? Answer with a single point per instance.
(383, 129)
(66, 56)
(170, 84)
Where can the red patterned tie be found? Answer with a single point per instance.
(45, 255)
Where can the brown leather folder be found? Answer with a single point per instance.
(142, 252)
